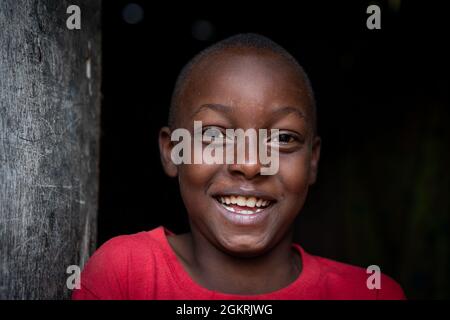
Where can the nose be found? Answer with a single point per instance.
(246, 158)
(247, 170)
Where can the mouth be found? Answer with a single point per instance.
(245, 205)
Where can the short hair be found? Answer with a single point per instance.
(243, 40)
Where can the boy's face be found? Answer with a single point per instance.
(246, 89)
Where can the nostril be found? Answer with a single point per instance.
(247, 170)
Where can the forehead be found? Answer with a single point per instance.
(245, 79)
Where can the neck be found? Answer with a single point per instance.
(220, 271)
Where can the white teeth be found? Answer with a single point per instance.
(251, 202)
(242, 201)
(259, 202)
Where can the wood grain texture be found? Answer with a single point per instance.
(49, 144)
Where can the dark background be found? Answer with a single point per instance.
(382, 195)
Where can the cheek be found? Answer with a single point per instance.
(194, 180)
(195, 174)
(294, 174)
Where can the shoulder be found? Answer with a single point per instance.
(136, 243)
(109, 270)
(121, 250)
(345, 281)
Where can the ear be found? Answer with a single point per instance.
(314, 161)
(165, 148)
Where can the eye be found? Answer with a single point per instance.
(284, 138)
(213, 133)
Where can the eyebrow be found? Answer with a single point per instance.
(213, 106)
(288, 110)
(227, 109)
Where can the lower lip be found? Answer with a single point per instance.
(243, 219)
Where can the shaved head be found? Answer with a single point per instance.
(241, 45)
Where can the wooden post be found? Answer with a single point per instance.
(49, 144)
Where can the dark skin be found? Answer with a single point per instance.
(244, 88)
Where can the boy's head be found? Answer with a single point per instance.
(247, 43)
(246, 81)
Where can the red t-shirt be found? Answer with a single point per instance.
(144, 266)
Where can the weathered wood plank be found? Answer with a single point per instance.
(49, 144)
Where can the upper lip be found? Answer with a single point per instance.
(245, 193)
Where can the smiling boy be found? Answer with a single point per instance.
(240, 245)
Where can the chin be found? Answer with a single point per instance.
(244, 245)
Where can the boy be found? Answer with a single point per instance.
(240, 244)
